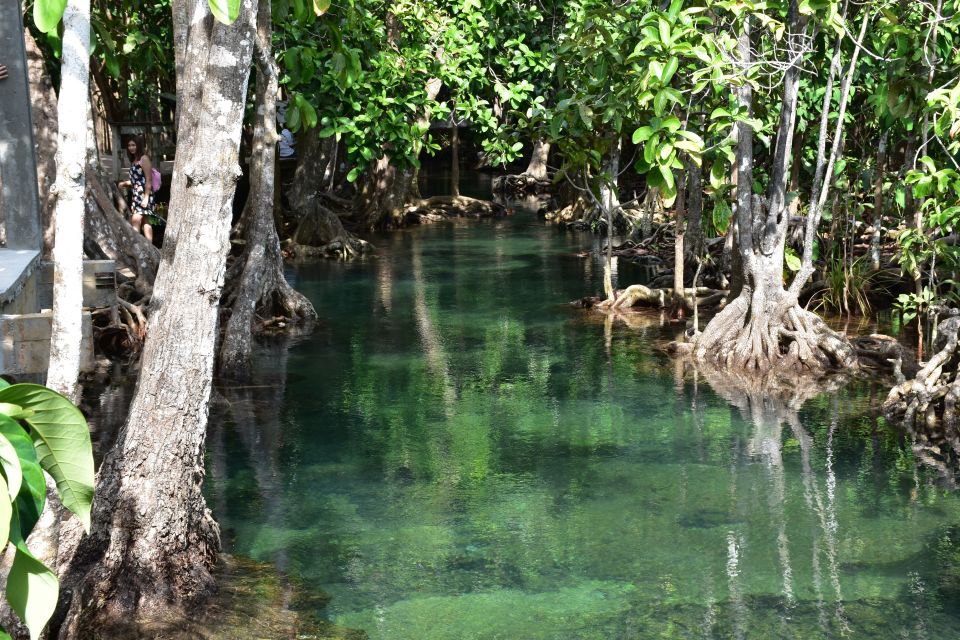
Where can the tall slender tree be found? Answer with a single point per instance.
(153, 542)
(66, 333)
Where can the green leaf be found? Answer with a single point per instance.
(6, 511)
(47, 14)
(32, 591)
(225, 11)
(642, 134)
(791, 259)
(62, 440)
(13, 411)
(4, 635)
(721, 215)
(33, 491)
(664, 31)
(667, 177)
(586, 114)
(353, 175)
(660, 102)
(4, 384)
(672, 65)
(10, 462)
(320, 7)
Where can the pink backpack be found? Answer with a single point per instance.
(156, 179)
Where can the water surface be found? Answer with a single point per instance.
(456, 453)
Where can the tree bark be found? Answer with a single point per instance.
(764, 327)
(610, 202)
(693, 238)
(255, 284)
(537, 167)
(315, 159)
(43, 103)
(878, 200)
(153, 542)
(680, 212)
(65, 336)
(454, 153)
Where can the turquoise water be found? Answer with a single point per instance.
(456, 453)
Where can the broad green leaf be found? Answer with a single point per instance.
(32, 590)
(4, 384)
(10, 462)
(6, 511)
(48, 13)
(642, 134)
(721, 215)
(4, 635)
(667, 177)
(320, 7)
(33, 491)
(670, 123)
(225, 11)
(672, 65)
(791, 259)
(13, 411)
(62, 440)
(660, 102)
(586, 114)
(664, 29)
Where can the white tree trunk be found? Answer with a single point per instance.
(68, 236)
(538, 160)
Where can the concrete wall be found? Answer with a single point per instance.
(25, 343)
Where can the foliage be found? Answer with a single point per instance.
(40, 431)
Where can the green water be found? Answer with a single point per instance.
(455, 453)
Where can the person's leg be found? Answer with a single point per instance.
(136, 221)
(148, 231)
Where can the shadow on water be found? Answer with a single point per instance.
(456, 453)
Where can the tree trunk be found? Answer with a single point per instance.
(65, 334)
(153, 542)
(454, 153)
(693, 238)
(610, 202)
(878, 200)
(315, 157)
(43, 103)
(255, 284)
(678, 242)
(764, 327)
(538, 160)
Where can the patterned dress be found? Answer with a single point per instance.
(138, 184)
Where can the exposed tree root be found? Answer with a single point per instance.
(929, 401)
(759, 333)
(640, 295)
(520, 185)
(321, 234)
(438, 208)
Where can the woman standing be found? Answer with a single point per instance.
(140, 185)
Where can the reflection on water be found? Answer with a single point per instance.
(458, 454)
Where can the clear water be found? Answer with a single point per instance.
(458, 454)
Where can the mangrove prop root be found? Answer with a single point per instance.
(761, 333)
(640, 295)
(929, 400)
